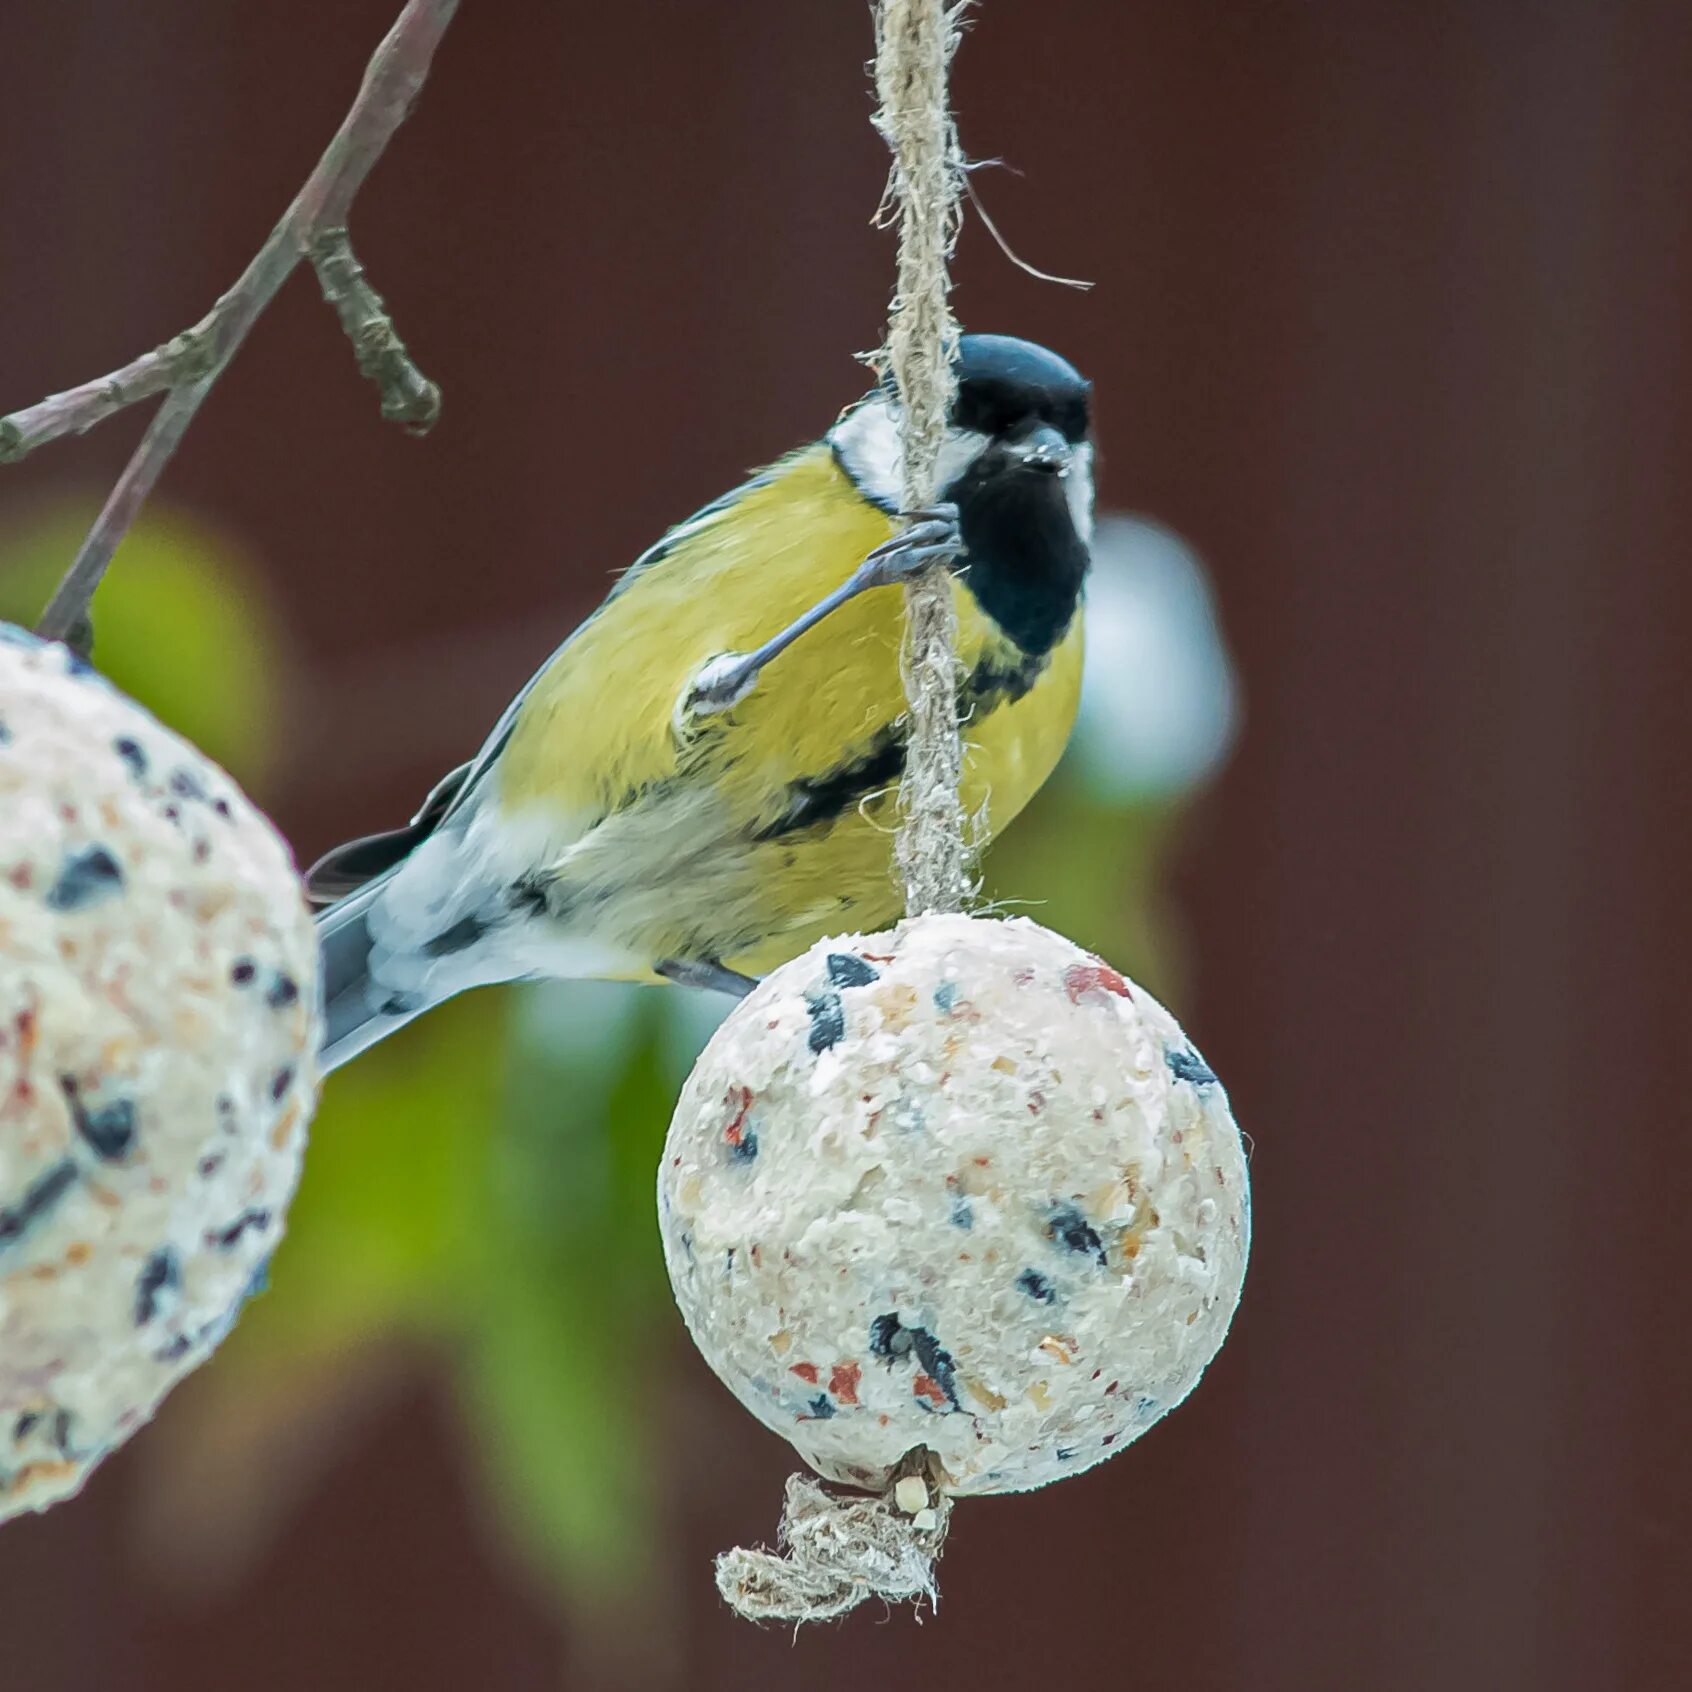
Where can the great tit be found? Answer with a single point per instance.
(701, 781)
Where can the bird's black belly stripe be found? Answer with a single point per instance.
(997, 680)
(820, 799)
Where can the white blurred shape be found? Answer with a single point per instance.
(596, 1024)
(1159, 702)
(575, 1021)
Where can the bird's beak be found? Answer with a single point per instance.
(1042, 448)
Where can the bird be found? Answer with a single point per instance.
(702, 781)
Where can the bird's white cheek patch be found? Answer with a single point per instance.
(867, 440)
(1078, 487)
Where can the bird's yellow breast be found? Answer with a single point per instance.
(689, 837)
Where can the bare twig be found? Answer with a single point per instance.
(189, 365)
(408, 396)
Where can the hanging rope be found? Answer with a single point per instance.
(914, 41)
(836, 1550)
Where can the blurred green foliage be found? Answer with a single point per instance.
(479, 1188)
(183, 623)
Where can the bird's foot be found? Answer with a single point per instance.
(930, 537)
(706, 973)
(721, 683)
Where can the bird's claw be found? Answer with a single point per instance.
(930, 536)
(720, 685)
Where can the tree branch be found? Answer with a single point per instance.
(408, 396)
(186, 367)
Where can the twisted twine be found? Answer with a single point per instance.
(836, 1550)
(915, 40)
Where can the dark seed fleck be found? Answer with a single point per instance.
(177, 1348)
(283, 992)
(1032, 1282)
(39, 1197)
(243, 971)
(186, 785)
(84, 879)
(937, 1363)
(131, 753)
(280, 1083)
(61, 1432)
(828, 1020)
(225, 1238)
(819, 1409)
(844, 970)
(1071, 1229)
(158, 1273)
(1189, 1066)
(890, 1339)
(109, 1128)
(25, 1424)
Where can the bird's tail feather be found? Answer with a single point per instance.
(357, 1010)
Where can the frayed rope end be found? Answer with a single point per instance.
(836, 1551)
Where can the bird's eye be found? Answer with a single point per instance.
(1070, 416)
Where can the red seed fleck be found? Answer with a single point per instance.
(1081, 979)
(738, 1100)
(805, 1371)
(924, 1387)
(1112, 1388)
(843, 1382)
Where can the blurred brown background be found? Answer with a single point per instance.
(1394, 323)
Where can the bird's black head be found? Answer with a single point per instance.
(1018, 465)
(1008, 387)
